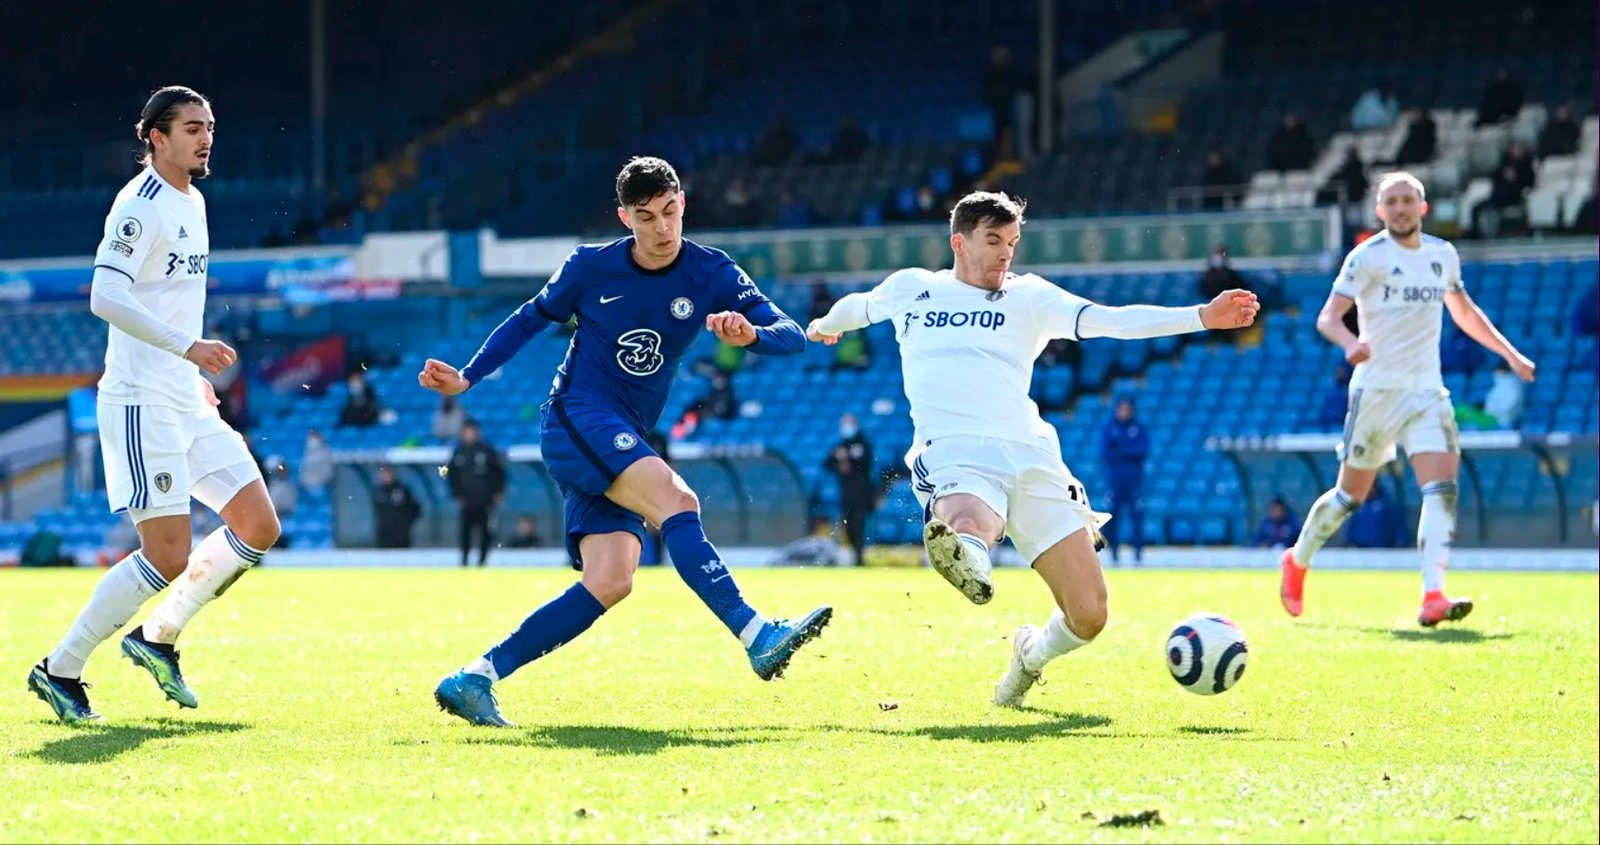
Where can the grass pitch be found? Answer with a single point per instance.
(316, 720)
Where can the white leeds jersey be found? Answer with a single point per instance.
(156, 236)
(966, 354)
(1399, 295)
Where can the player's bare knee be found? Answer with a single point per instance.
(169, 558)
(608, 584)
(1088, 618)
(680, 500)
(260, 530)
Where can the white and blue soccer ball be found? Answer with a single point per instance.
(1207, 653)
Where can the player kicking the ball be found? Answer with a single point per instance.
(1400, 279)
(641, 302)
(160, 435)
(985, 464)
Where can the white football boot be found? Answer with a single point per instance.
(1018, 679)
(960, 564)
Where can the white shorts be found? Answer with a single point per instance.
(157, 457)
(1027, 485)
(1420, 420)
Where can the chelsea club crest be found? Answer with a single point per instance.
(682, 308)
(624, 441)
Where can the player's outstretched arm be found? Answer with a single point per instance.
(1466, 314)
(503, 344)
(764, 329)
(111, 299)
(1231, 309)
(848, 314)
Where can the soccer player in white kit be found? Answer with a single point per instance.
(985, 464)
(1400, 280)
(160, 435)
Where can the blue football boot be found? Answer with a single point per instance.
(161, 661)
(66, 696)
(470, 696)
(780, 639)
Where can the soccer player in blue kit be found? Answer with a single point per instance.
(640, 302)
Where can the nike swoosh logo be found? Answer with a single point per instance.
(609, 299)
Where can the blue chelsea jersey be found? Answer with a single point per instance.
(634, 324)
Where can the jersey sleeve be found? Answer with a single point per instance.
(736, 291)
(1057, 312)
(1352, 277)
(132, 233)
(558, 301)
(1453, 282)
(888, 299)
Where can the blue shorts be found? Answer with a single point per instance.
(585, 448)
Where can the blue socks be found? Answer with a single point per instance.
(699, 566)
(545, 630)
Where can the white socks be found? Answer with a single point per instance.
(214, 565)
(482, 666)
(1054, 640)
(1436, 532)
(1327, 514)
(118, 596)
(751, 630)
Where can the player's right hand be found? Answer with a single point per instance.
(815, 335)
(213, 356)
(1357, 351)
(439, 376)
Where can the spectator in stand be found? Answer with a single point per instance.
(395, 510)
(316, 464)
(281, 488)
(928, 206)
(850, 461)
(1376, 108)
(526, 535)
(1520, 160)
(719, 402)
(739, 204)
(1278, 529)
(1124, 446)
(1348, 184)
(1560, 136)
(1422, 140)
(361, 407)
(793, 212)
(1504, 401)
(1219, 277)
(477, 479)
(777, 145)
(1586, 313)
(821, 300)
(1502, 98)
(1290, 147)
(448, 419)
(1221, 176)
(999, 90)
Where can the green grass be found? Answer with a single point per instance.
(317, 724)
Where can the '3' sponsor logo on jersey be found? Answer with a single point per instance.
(191, 265)
(640, 354)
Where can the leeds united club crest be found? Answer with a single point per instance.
(163, 481)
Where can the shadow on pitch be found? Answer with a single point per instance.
(1418, 635)
(622, 740)
(1059, 724)
(102, 743)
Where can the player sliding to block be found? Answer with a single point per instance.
(640, 303)
(1400, 279)
(985, 465)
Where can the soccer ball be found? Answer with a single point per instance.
(1206, 653)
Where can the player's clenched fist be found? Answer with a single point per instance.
(731, 328)
(439, 376)
(213, 356)
(816, 335)
(1232, 309)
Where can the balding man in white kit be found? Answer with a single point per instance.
(985, 464)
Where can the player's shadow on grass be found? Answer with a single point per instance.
(102, 743)
(627, 740)
(1419, 635)
(1060, 724)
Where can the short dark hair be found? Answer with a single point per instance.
(158, 113)
(985, 208)
(643, 179)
